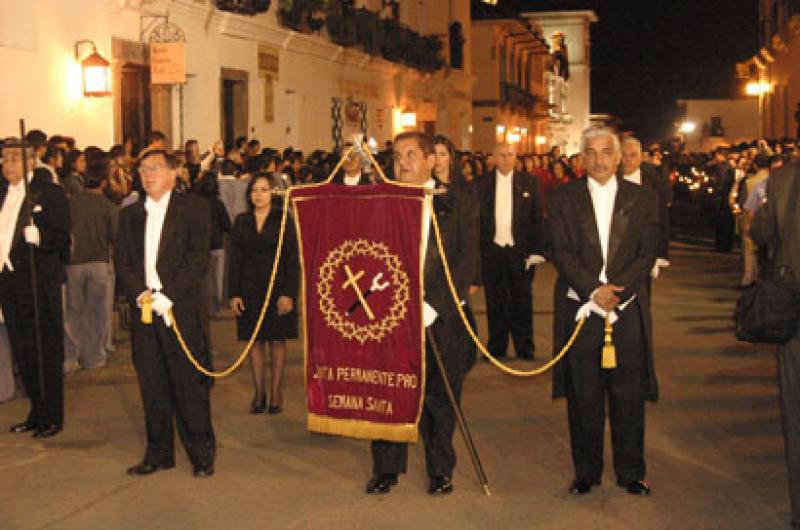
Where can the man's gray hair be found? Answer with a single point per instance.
(598, 132)
(632, 140)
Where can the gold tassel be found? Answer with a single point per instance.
(609, 359)
(147, 309)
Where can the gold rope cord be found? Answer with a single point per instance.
(507, 369)
(200, 368)
(448, 276)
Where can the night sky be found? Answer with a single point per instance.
(648, 53)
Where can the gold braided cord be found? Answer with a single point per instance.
(232, 368)
(507, 369)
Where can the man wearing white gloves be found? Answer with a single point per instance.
(604, 242)
(34, 222)
(161, 255)
(414, 159)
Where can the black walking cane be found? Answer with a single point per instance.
(462, 422)
(37, 330)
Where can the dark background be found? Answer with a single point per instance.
(648, 53)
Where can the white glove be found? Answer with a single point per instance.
(534, 259)
(32, 236)
(660, 264)
(162, 305)
(429, 314)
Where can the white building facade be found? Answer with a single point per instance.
(245, 76)
(569, 97)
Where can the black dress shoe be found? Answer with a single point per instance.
(581, 486)
(203, 471)
(258, 406)
(636, 487)
(275, 409)
(47, 432)
(146, 468)
(440, 485)
(526, 357)
(381, 484)
(25, 426)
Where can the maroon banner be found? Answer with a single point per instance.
(364, 342)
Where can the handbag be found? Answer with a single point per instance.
(768, 311)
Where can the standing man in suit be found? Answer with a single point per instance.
(604, 234)
(651, 177)
(511, 243)
(775, 219)
(723, 177)
(161, 255)
(39, 219)
(414, 159)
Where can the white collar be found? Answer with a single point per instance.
(161, 204)
(609, 187)
(634, 174)
(430, 184)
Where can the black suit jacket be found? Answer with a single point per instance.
(459, 230)
(526, 218)
(653, 178)
(577, 255)
(777, 218)
(183, 254)
(50, 210)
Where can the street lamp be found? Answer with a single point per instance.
(687, 127)
(96, 71)
(757, 88)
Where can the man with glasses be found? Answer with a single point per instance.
(161, 255)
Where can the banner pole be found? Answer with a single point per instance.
(462, 422)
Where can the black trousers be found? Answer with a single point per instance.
(436, 427)
(16, 300)
(172, 391)
(509, 300)
(589, 387)
(789, 386)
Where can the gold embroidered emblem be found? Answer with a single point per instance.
(394, 277)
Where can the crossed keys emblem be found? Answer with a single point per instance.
(361, 300)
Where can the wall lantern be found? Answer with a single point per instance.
(687, 127)
(541, 140)
(500, 129)
(408, 118)
(96, 71)
(513, 137)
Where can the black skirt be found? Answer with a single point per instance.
(274, 327)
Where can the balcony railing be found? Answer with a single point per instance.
(517, 99)
(376, 36)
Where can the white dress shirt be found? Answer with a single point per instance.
(429, 314)
(156, 212)
(352, 181)
(603, 198)
(504, 209)
(9, 214)
(635, 177)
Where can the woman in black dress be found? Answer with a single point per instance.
(254, 240)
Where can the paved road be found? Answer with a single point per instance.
(714, 447)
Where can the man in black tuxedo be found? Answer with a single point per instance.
(511, 243)
(414, 160)
(161, 255)
(39, 219)
(651, 177)
(604, 234)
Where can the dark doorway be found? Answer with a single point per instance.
(233, 105)
(136, 105)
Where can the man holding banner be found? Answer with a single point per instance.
(414, 160)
